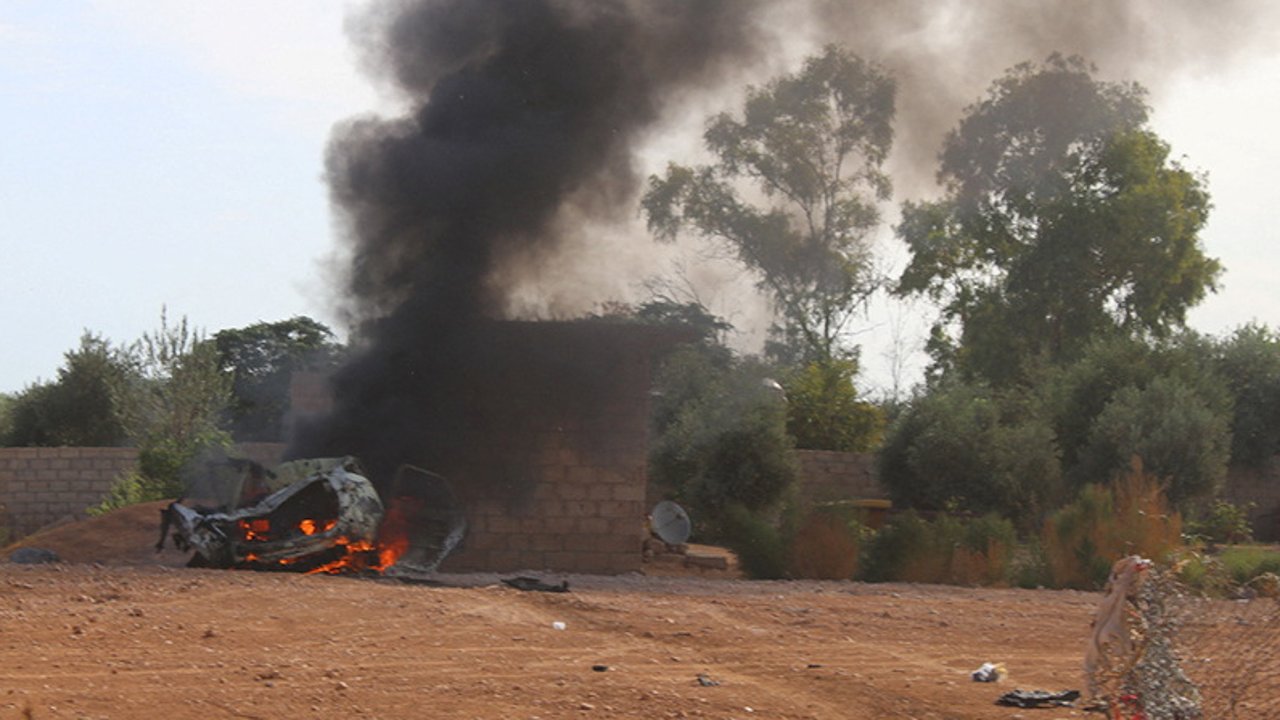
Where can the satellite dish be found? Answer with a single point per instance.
(670, 523)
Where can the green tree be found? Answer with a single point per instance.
(823, 410)
(262, 358)
(7, 402)
(173, 404)
(812, 144)
(1063, 220)
(76, 409)
(1249, 363)
(720, 436)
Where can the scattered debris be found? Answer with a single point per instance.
(1038, 698)
(534, 584)
(705, 680)
(989, 672)
(33, 556)
(600, 668)
(558, 625)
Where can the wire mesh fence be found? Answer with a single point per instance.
(1178, 655)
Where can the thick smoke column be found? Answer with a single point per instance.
(520, 110)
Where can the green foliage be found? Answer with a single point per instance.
(1223, 522)
(963, 446)
(757, 542)
(77, 409)
(947, 550)
(813, 145)
(1244, 563)
(1063, 221)
(262, 358)
(1249, 362)
(1167, 424)
(823, 410)
(128, 489)
(7, 404)
(719, 435)
(174, 402)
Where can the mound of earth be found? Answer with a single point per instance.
(122, 537)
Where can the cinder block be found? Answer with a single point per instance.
(631, 492)
(616, 508)
(591, 525)
(545, 542)
(567, 491)
(502, 524)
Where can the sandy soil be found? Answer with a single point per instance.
(136, 639)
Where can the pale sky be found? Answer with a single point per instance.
(170, 153)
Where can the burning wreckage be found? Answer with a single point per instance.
(315, 516)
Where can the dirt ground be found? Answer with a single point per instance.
(115, 635)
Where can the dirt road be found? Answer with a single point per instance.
(121, 632)
(79, 641)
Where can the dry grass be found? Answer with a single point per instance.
(825, 548)
(1130, 517)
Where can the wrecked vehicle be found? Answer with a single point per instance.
(314, 516)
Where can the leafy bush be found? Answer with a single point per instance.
(1171, 427)
(756, 541)
(947, 550)
(966, 447)
(1223, 522)
(1103, 524)
(720, 437)
(823, 410)
(1249, 362)
(129, 489)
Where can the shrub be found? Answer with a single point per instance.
(1103, 524)
(1243, 564)
(947, 550)
(1176, 432)
(823, 410)
(966, 447)
(1224, 523)
(129, 489)
(826, 547)
(756, 541)
(720, 436)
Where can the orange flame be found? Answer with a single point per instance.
(307, 526)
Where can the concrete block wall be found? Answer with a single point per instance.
(1260, 486)
(565, 490)
(39, 485)
(576, 514)
(826, 475)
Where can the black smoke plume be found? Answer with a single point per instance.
(520, 110)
